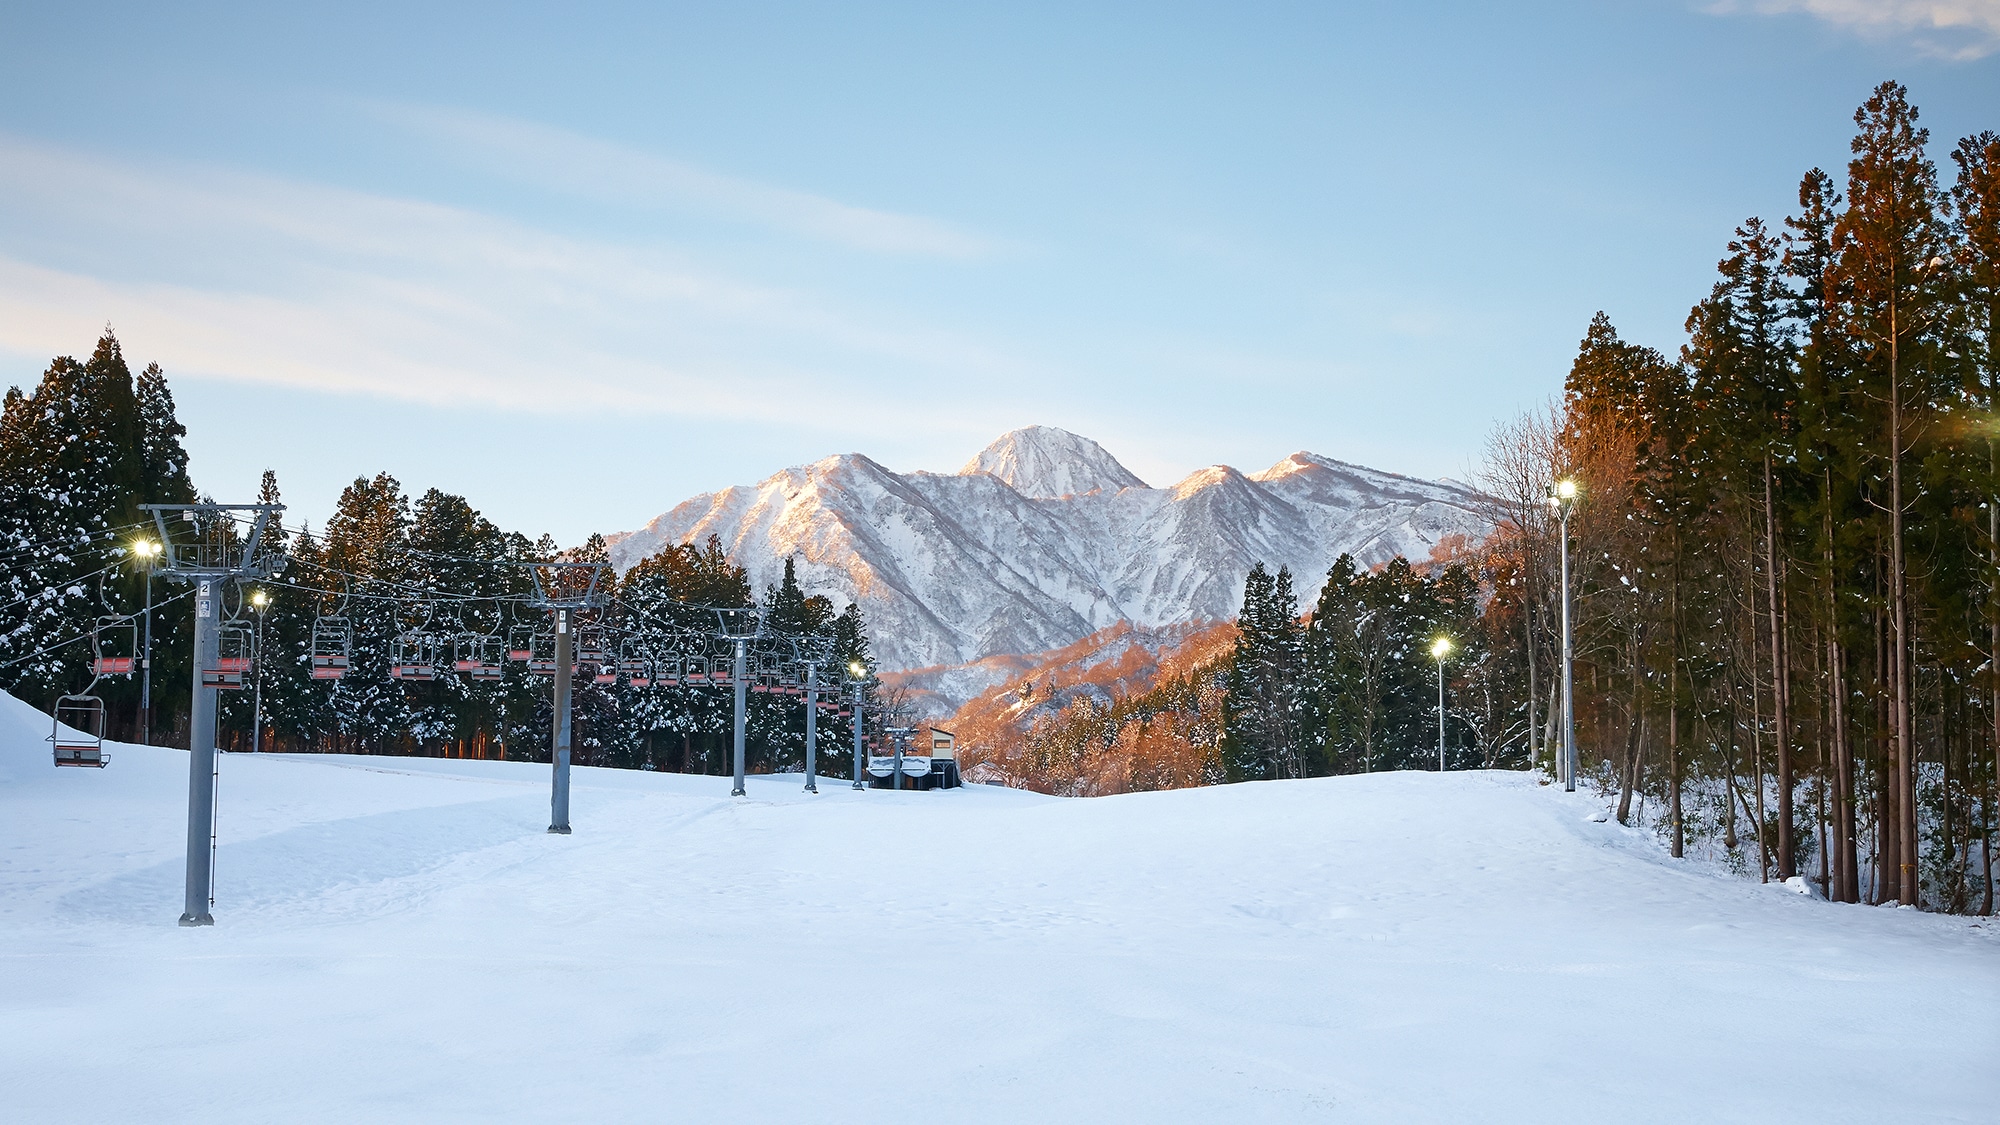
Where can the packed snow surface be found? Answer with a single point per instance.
(399, 939)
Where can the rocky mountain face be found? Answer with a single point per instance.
(1044, 538)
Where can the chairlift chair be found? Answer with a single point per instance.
(416, 658)
(520, 643)
(592, 646)
(79, 731)
(465, 654)
(233, 646)
(489, 662)
(542, 653)
(332, 647)
(114, 646)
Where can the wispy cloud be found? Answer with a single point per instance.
(595, 169)
(1954, 29)
(239, 276)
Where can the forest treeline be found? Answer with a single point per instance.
(1785, 552)
(1786, 557)
(91, 442)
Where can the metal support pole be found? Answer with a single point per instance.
(1440, 715)
(201, 760)
(812, 728)
(742, 647)
(559, 791)
(257, 690)
(860, 763)
(146, 667)
(899, 739)
(1569, 679)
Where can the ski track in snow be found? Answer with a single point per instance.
(399, 939)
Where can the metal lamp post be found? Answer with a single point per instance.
(260, 601)
(812, 726)
(1440, 649)
(1562, 498)
(148, 551)
(859, 673)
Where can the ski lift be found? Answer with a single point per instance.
(631, 658)
(520, 643)
(607, 673)
(416, 657)
(79, 731)
(114, 646)
(593, 646)
(233, 647)
(465, 651)
(488, 665)
(542, 653)
(332, 647)
(669, 673)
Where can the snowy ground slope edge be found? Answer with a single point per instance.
(400, 939)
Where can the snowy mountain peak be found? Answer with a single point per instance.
(1046, 538)
(1045, 463)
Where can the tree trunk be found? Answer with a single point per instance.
(1899, 606)
(1781, 702)
(1846, 870)
(1634, 736)
(1528, 628)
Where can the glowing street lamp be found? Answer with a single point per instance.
(859, 673)
(259, 601)
(1562, 497)
(148, 551)
(1440, 649)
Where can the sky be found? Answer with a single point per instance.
(580, 262)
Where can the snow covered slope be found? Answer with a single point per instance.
(399, 940)
(1045, 538)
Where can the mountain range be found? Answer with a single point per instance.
(1044, 538)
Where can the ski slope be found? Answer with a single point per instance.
(399, 940)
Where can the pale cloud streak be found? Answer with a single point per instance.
(1955, 29)
(236, 276)
(589, 168)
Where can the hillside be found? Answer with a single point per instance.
(1107, 664)
(399, 939)
(1044, 538)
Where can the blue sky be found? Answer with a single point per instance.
(581, 262)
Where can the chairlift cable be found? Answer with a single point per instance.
(47, 649)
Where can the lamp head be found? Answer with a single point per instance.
(146, 548)
(1441, 647)
(857, 669)
(260, 599)
(1565, 491)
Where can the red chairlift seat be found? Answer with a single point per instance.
(114, 646)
